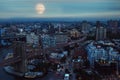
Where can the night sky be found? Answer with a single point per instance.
(60, 8)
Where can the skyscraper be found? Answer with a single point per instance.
(85, 27)
(100, 31)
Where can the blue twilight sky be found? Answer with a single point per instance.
(60, 8)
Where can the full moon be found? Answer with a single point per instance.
(40, 8)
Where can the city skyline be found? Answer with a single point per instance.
(106, 9)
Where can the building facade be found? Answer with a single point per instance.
(100, 31)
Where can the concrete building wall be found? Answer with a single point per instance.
(32, 38)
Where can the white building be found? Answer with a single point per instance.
(113, 54)
(47, 40)
(98, 52)
(32, 38)
(50, 41)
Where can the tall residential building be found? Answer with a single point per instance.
(100, 32)
(113, 24)
(59, 29)
(2, 31)
(86, 27)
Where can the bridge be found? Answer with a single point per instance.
(23, 52)
(7, 40)
(12, 37)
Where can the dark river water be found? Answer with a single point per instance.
(3, 74)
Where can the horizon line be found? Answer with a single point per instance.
(67, 19)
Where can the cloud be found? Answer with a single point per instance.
(45, 1)
(77, 0)
(59, 8)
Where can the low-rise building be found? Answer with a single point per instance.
(97, 52)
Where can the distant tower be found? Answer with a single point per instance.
(114, 26)
(59, 29)
(85, 27)
(51, 29)
(100, 32)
